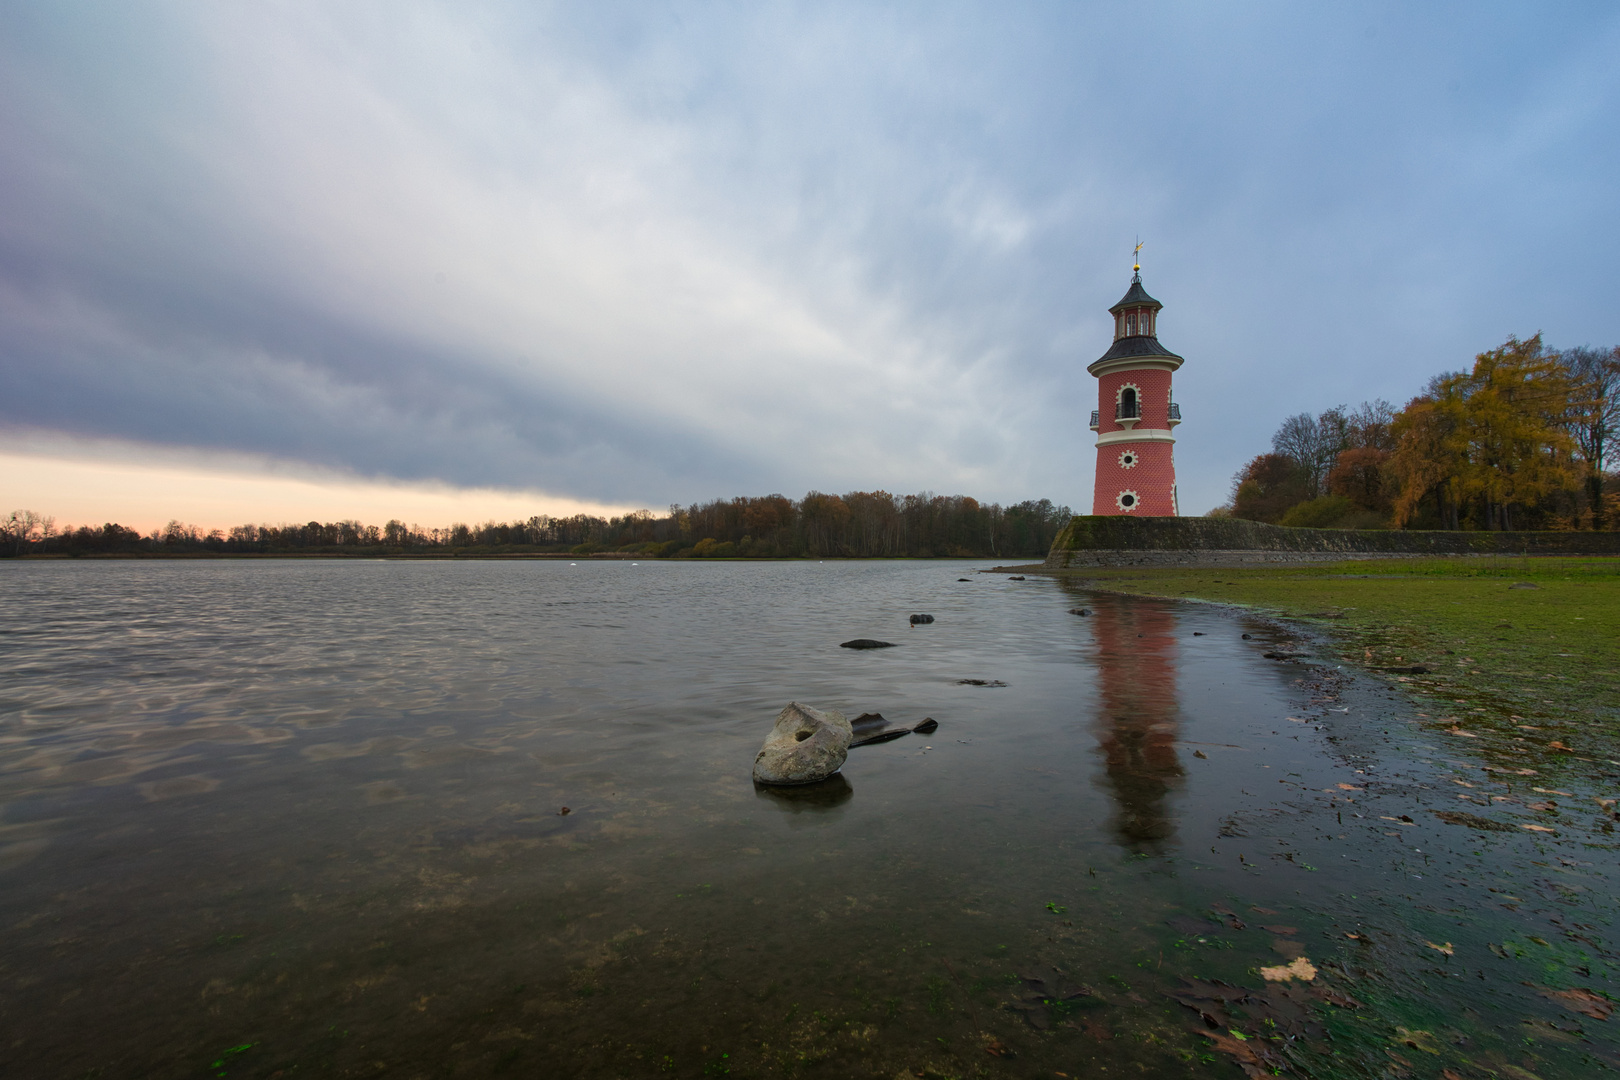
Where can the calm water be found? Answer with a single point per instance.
(303, 819)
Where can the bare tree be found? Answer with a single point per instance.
(21, 527)
(1597, 374)
(1313, 443)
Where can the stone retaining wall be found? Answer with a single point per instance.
(1171, 541)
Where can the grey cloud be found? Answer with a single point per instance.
(688, 253)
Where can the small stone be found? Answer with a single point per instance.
(1020, 577)
(1079, 611)
(806, 745)
(1200, 753)
(919, 619)
(927, 727)
(961, 579)
(564, 812)
(1245, 637)
(865, 643)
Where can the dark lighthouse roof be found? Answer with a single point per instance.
(1135, 296)
(1128, 346)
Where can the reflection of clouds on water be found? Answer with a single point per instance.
(1137, 726)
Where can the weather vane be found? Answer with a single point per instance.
(1136, 257)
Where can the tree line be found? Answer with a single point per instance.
(1523, 440)
(861, 524)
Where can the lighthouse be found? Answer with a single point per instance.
(1135, 417)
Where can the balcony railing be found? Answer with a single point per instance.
(1175, 412)
(1094, 420)
(1127, 412)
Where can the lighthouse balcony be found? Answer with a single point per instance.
(1175, 414)
(1094, 424)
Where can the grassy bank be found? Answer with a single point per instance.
(1531, 672)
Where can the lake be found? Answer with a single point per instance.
(306, 818)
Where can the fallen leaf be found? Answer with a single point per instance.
(1261, 910)
(997, 1048)
(1556, 745)
(1348, 787)
(1281, 929)
(1552, 791)
(1252, 1064)
(1299, 968)
(1542, 805)
(1418, 1040)
(1537, 828)
(1446, 948)
(1582, 1001)
(1473, 821)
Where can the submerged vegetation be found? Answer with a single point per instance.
(861, 524)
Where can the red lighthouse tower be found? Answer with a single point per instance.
(1136, 470)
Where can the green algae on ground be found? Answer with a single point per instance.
(1527, 641)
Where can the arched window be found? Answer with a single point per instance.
(1127, 404)
(1130, 324)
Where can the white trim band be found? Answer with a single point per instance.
(1139, 435)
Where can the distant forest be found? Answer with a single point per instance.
(862, 524)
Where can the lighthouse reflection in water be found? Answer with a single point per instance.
(1138, 717)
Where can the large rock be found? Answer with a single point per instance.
(806, 745)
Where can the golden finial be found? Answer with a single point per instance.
(1136, 257)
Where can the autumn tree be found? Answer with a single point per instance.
(1494, 440)
(1268, 487)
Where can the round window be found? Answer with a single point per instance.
(1127, 460)
(1126, 500)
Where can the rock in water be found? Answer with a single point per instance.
(872, 728)
(928, 724)
(916, 619)
(1079, 611)
(865, 643)
(806, 745)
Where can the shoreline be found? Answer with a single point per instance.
(1476, 634)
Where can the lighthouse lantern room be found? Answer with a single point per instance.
(1135, 418)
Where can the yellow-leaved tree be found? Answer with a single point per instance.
(1489, 443)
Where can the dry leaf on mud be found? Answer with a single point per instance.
(1582, 1001)
(1446, 948)
(1537, 828)
(1240, 1050)
(1299, 968)
(1417, 1040)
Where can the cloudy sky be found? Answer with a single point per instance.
(268, 261)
